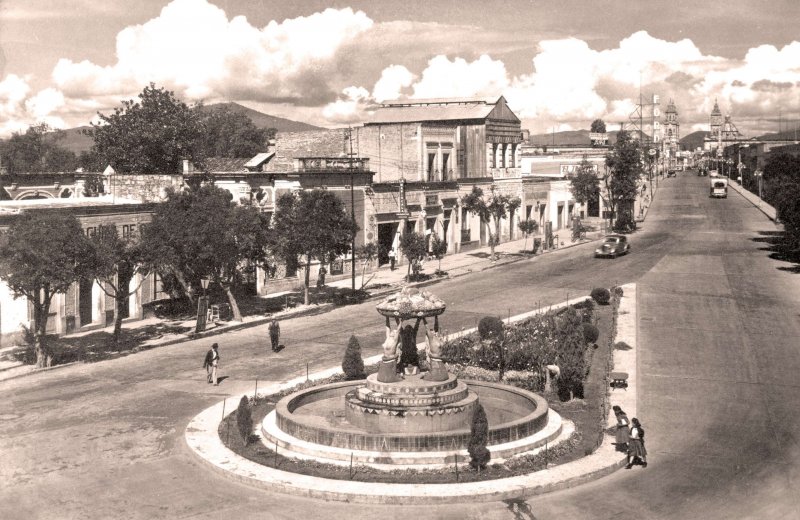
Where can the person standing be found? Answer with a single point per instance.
(622, 435)
(274, 334)
(210, 364)
(392, 258)
(636, 448)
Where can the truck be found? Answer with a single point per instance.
(719, 187)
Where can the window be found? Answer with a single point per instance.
(431, 166)
(445, 160)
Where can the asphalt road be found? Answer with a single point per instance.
(719, 354)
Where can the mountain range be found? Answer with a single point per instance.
(76, 141)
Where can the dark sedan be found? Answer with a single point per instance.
(613, 246)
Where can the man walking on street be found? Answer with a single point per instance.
(274, 334)
(210, 364)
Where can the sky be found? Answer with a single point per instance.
(560, 64)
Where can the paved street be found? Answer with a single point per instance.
(717, 389)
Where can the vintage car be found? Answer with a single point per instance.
(613, 246)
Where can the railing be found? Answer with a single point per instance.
(323, 164)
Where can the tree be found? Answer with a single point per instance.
(414, 248)
(244, 419)
(623, 169)
(479, 455)
(200, 233)
(782, 190)
(367, 253)
(598, 126)
(313, 224)
(151, 135)
(491, 209)
(585, 184)
(352, 363)
(36, 151)
(528, 227)
(438, 250)
(114, 261)
(229, 133)
(42, 255)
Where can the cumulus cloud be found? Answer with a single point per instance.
(193, 48)
(459, 78)
(349, 109)
(394, 79)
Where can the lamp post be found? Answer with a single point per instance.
(352, 216)
(202, 307)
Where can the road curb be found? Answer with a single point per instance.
(204, 442)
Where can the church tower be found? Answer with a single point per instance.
(671, 135)
(715, 121)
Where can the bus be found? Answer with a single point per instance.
(719, 188)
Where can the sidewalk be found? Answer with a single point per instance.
(455, 265)
(754, 199)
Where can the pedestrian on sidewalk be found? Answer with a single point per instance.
(274, 334)
(622, 435)
(392, 259)
(210, 364)
(636, 448)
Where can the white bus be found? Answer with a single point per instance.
(719, 188)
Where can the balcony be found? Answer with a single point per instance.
(505, 173)
(331, 164)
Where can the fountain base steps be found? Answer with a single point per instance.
(555, 430)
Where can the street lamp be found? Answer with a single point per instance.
(204, 282)
(202, 307)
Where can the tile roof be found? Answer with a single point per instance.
(223, 164)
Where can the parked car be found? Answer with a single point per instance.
(672, 173)
(613, 246)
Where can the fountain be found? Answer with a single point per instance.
(402, 415)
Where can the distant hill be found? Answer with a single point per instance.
(262, 120)
(786, 135)
(75, 141)
(694, 140)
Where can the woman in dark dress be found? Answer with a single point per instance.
(622, 435)
(636, 448)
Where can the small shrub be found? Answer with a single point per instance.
(621, 345)
(617, 290)
(244, 419)
(352, 363)
(487, 356)
(479, 455)
(601, 295)
(590, 333)
(490, 328)
(458, 351)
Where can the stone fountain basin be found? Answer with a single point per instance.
(317, 415)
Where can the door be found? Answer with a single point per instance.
(85, 300)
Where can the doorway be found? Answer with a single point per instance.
(85, 301)
(386, 234)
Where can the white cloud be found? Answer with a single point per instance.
(394, 79)
(347, 110)
(460, 78)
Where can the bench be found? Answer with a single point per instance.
(619, 380)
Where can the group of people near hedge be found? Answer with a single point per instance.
(630, 438)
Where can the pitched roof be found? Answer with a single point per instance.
(418, 110)
(224, 164)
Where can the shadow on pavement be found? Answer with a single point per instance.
(780, 249)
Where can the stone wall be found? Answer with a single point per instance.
(393, 151)
(317, 143)
(144, 188)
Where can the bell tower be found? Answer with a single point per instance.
(715, 121)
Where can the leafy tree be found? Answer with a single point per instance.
(414, 248)
(438, 249)
(229, 133)
(42, 254)
(36, 151)
(623, 168)
(585, 184)
(352, 363)
(114, 261)
(598, 126)
(479, 455)
(199, 233)
(528, 227)
(782, 190)
(153, 134)
(491, 209)
(313, 224)
(244, 419)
